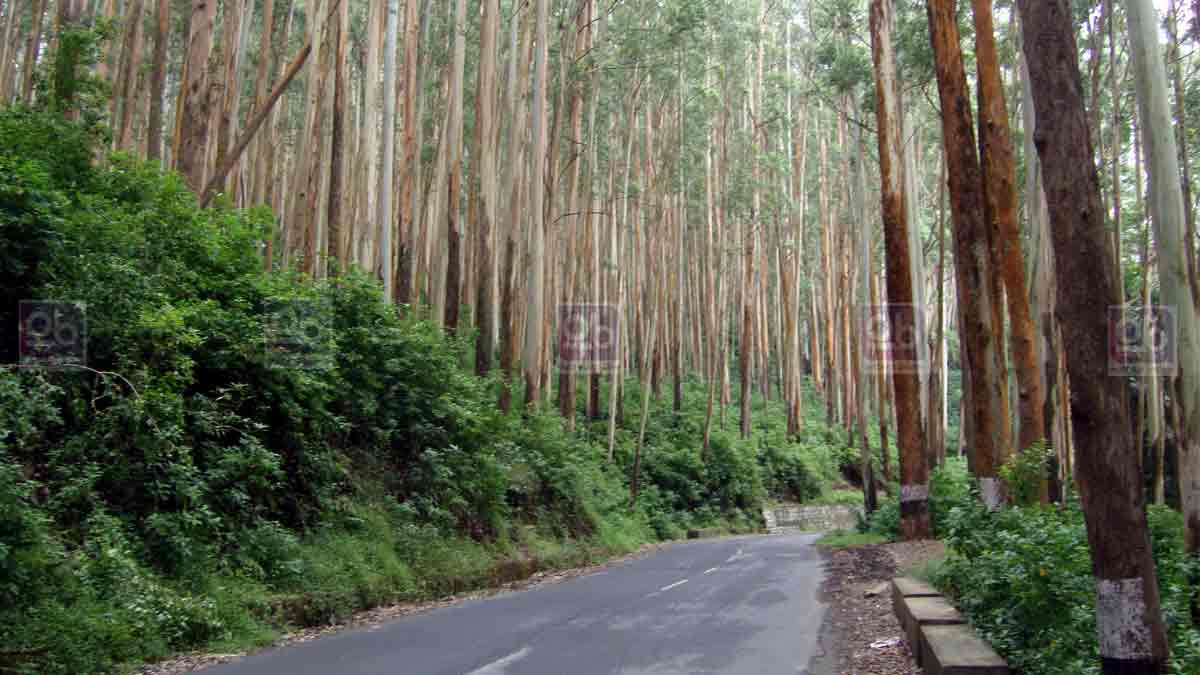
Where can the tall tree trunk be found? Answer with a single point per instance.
(384, 217)
(337, 152)
(313, 170)
(884, 387)
(1042, 292)
(416, 26)
(910, 137)
(269, 184)
(454, 132)
(535, 285)
(231, 81)
(8, 50)
(131, 59)
(914, 468)
(488, 209)
(194, 122)
(935, 425)
(1168, 215)
(999, 176)
(859, 329)
(1117, 86)
(1181, 136)
(519, 55)
(262, 84)
(158, 81)
(32, 51)
(1128, 617)
(972, 259)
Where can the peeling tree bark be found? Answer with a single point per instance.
(32, 48)
(1000, 209)
(194, 120)
(337, 151)
(914, 468)
(535, 287)
(384, 218)
(158, 81)
(1170, 229)
(982, 338)
(1129, 620)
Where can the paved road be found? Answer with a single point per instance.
(736, 606)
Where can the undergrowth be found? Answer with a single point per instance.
(1023, 577)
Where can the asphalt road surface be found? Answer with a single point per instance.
(736, 606)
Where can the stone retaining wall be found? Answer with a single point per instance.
(811, 518)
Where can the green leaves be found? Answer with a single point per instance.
(1023, 576)
(1025, 472)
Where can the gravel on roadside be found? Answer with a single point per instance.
(866, 635)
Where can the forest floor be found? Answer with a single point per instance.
(861, 627)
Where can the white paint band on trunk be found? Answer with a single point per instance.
(1121, 619)
(914, 493)
(990, 491)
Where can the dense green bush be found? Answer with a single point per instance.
(789, 473)
(1023, 577)
(949, 487)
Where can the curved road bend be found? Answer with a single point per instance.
(735, 606)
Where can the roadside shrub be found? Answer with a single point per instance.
(884, 521)
(1024, 473)
(734, 482)
(789, 473)
(107, 610)
(1023, 577)
(949, 488)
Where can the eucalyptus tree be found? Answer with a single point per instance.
(158, 80)
(1175, 248)
(193, 128)
(1000, 204)
(1129, 621)
(914, 469)
(124, 100)
(384, 218)
(535, 283)
(488, 185)
(454, 131)
(974, 265)
(337, 250)
(33, 48)
(12, 21)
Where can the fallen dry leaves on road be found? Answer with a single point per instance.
(867, 636)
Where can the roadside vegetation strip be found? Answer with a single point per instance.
(390, 612)
(1022, 578)
(842, 538)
